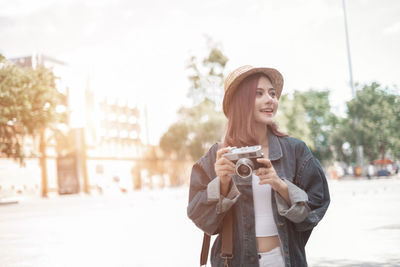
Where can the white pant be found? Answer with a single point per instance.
(272, 258)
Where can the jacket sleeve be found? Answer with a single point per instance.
(207, 207)
(311, 178)
(298, 209)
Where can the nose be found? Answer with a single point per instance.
(267, 98)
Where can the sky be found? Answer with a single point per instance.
(138, 50)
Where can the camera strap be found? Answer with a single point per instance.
(204, 249)
(226, 238)
(227, 242)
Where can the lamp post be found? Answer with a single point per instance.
(348, 51)
(359, 149)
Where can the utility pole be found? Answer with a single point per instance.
(359, 149)
(348, 51)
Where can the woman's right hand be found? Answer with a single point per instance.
(224, 168)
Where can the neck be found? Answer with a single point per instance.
(262, 134)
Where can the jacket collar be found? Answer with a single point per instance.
(274, 146)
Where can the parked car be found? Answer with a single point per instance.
(382, 172)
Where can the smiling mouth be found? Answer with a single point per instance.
(267, 111)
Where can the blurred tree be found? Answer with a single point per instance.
(207, 78)
(378, 121)
(342, 133)
(320, 121)
(292, 120)
(307, 116)
(199, 126)
(174, 141)
(28, 101)
(394, 145)
(197, 129)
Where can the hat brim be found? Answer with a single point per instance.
(274, 75)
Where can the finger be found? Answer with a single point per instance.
(221, 173)
(224, 168)
(225, 161)
(222, 151)
(267, 176)
(228, 173)
(265, 161)
(263, 171)
(265, 181)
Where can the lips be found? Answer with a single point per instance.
(267, 110)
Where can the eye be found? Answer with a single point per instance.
(272, 93)
(259, 93)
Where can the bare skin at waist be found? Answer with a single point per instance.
(267, 243)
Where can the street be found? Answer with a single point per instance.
(150, 228)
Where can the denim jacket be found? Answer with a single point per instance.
(308, 193)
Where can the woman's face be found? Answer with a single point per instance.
(266, 102)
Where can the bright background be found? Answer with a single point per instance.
(138, 50)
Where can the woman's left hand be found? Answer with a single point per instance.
(268, 175)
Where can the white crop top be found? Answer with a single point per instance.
(265, 224)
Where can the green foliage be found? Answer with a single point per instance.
(291, 119)
(374, 121)
(373, 118)
(320, 120)
(207, 78)
(341, 133)
(175, 140)
(28, 100)
(201, 125)
(307, 116)
(197, 129)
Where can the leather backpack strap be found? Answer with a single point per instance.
(227, 238)
(226, 235)
(227, 242)
(204, 250)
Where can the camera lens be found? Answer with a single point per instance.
(244, 170)
(244, 167)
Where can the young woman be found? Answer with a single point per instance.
(273, 210)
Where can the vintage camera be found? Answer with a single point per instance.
(245, 159)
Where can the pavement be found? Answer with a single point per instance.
(9, 200)
(361, 227)
(150, 228)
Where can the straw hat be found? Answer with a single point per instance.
(239, 74)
